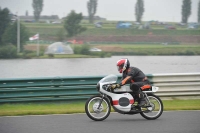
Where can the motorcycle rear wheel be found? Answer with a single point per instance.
(155, 110)
(96, 112)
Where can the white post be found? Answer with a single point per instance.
(18, 34)
(38, 45)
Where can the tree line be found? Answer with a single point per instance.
(139, 10)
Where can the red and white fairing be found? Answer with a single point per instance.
(123, 101)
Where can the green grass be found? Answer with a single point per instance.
(159, 46)
(33, 55)
(182, 104)
(156, 49)
(68, 108)
(40, 109)
(52, 31)
(109, 28)
(138, 49)
(160, 49)
(69, 56)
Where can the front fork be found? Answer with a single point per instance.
(100, 102)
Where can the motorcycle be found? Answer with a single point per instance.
(123, 101)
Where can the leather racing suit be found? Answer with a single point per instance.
(137, 80)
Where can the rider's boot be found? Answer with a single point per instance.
(142, 100)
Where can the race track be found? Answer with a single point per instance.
(169, 122)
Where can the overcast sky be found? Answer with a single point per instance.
(161, 10)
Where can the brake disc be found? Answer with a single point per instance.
(96, 109)
(152, 107)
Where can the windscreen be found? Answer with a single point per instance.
(110, 78)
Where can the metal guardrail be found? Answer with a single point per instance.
(47, 89)
(54, 89)
(182, 84)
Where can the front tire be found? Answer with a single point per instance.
(95, 113)
(155, 109)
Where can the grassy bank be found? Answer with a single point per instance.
(139, 46)
(52, 31)
(159, 49)
(109, 28)
(61, 108)
(67, 56)
(119, 49)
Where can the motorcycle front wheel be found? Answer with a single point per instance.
(154, 110)
(95, 110)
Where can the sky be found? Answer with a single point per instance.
(118, 10)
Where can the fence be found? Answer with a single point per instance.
(53, 89)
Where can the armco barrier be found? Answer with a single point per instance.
(177, 84)
(47, 89)
(54, 89)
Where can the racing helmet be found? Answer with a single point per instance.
(122, 65)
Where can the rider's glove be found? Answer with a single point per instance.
(115, 86)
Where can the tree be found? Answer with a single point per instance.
(5, 20)
(83, 49)
(26, 13)
(72, 24)
(37, 6)
(60, 35)
(139, 9)
(92, 8)
(10, 35)
(8, 51)
(186, 10)
(198, 12)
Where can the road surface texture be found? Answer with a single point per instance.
(169, 122)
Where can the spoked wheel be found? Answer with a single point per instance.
(154, 110)
(95, 110)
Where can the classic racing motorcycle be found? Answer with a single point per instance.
(122, 100)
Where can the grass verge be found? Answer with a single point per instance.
(69, 108)
(152, 49)
(122, 49)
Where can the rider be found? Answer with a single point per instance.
(133, 76)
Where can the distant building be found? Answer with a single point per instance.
(95, 18)
(43, 18)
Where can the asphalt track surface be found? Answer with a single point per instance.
(169, 122)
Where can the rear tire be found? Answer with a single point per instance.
(95, 113)
(156, 109)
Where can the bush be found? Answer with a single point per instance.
(189, 52)
(51, 55)
(8, 51)
(101, 54)
(27, 54)
(83, 49)
(42, 50)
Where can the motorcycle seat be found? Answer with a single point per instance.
(146, 87)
